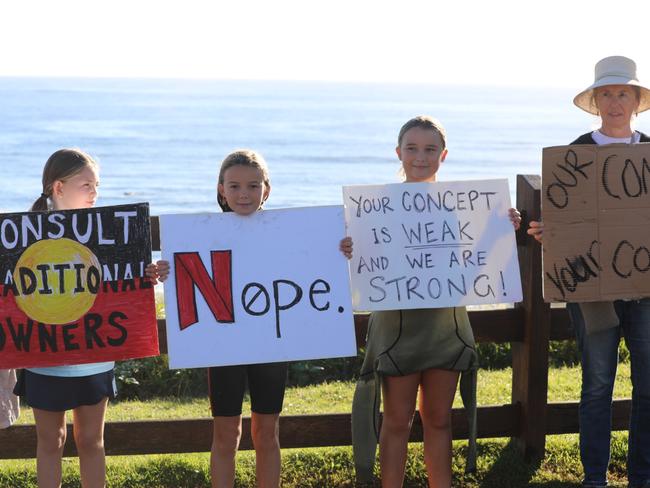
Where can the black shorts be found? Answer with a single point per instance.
(266, 383)
(61, 393)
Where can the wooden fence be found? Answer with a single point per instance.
(527, 419)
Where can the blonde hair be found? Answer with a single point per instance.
(424, 122)
(61, 166)
(242, 157)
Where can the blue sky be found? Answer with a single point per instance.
(503, 42)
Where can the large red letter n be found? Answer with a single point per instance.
(217, 291)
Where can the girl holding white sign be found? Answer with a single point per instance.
(70, 181)
(243, 187)
(414, 350)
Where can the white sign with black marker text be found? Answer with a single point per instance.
(431, 245)
(271, 286)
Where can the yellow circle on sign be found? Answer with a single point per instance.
(64, 295)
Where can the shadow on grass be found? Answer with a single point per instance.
(510, 471)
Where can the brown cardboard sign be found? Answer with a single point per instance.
(596, 212)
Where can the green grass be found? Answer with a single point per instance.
(494, 388)
(499, 464)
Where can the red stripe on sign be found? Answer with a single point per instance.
(121, 324)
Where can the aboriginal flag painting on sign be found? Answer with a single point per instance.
(73, 288)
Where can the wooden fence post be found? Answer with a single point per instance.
(530, 356)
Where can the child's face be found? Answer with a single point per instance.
(244, 189)
(421, 153)
(79, 191)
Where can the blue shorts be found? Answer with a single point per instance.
(61, 393)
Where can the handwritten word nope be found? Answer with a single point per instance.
(218, 293)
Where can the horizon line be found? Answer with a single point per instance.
(491, 84)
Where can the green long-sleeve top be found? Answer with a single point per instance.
(402, 342)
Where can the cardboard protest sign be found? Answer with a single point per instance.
(271, 286)
(596, 212)
(72, 287)
(431, 245)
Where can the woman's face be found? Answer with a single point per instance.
(616, 105)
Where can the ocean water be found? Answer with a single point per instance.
(162, 141)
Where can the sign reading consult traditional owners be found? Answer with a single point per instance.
(271, 286)
(431, 245)
(596, 211)
(73, 288)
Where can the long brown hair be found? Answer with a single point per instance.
(61, 166)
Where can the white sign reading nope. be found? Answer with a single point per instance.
(430, 245)
(271, 286)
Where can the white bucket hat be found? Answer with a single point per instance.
(613, 70)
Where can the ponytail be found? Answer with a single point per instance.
(60, 166)
(40, 203)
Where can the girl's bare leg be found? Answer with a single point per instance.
(226, 433)
(265, 430)
(400, 393)
(437, 391)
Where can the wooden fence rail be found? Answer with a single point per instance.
(527, 419)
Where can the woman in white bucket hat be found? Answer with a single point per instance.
(616, 96)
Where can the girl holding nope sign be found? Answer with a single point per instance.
(408, 351)
(243, 187)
